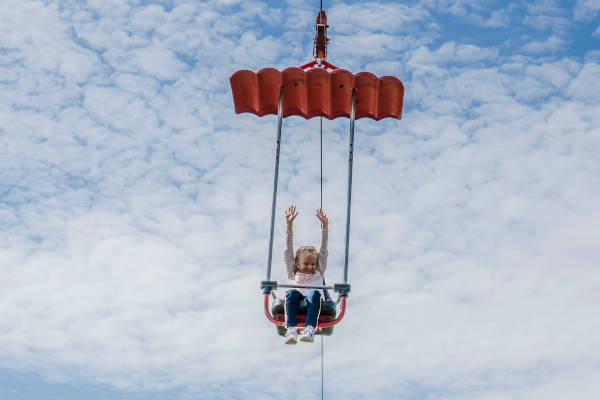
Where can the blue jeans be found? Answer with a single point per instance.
(292, 301)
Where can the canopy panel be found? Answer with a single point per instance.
(317, 92)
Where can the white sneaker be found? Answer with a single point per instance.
(291, 336)
(307, 335)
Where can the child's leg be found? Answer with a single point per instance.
(314, 307)
(292, 301)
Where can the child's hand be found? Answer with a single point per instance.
(290, 214)
(323, 218)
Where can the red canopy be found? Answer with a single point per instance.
(317, 92)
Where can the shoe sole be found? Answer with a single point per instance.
(291, 341)
(307, 340)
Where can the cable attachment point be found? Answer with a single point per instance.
(268, 286)
(342, 288)
(321, 40)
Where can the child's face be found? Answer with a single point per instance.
(307, 264)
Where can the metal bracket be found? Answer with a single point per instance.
(342, 288)
(268, 286)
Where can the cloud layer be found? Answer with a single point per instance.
(134, 204)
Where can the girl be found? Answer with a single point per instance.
(306, 268)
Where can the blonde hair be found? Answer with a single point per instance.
(302, 251)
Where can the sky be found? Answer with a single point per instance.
(135, 204)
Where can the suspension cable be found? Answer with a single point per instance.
(321, 147)
(321, 163)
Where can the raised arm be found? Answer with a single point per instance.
(323, 253)
(290, 214)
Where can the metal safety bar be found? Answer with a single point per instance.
(268, 286)
(287, 285)
(275, 178)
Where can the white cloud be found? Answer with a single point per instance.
(585, 87)
(156, 61)
(547, 15)
(586, 9)
(374, 17)
(476, 13)
(552, 44)
(455, 7)
(558, 74)
(499, 19)
(451, 53)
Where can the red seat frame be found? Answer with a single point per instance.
(323, 321)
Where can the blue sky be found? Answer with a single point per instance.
(135, 204)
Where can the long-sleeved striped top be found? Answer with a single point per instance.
(299, 277)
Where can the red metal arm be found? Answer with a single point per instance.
(339, 317)
(324, 64)
(268, 312)
(329, 65)
(309, 64)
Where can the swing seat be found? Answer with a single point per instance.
(327, 314)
